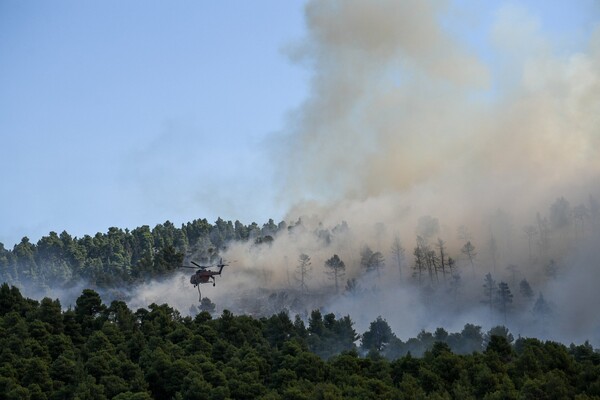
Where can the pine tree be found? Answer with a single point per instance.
(303, 271)
(371, 261)
(419, 265)
(489, 289)
(207, 305)
(443, 261)
(525, 290)
(378, 335)
(469, 250)
(503, 298)
(398, 253)
(336, 271)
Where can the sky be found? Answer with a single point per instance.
(130, 113)
(133, 113)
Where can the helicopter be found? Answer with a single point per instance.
(204, 274)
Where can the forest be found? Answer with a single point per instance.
(304, 311)
(505, 273)
(99, 351)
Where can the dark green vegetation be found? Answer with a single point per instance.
(94, 351)
(121, 256)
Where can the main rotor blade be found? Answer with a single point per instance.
(198, 265)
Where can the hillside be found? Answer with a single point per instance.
(523, 281)
(95, 351)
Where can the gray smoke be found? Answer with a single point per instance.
(409, 130)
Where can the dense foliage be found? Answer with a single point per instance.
(94, 351)
(122, 256)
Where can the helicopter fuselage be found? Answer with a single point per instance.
(200, 277)
(205, 276)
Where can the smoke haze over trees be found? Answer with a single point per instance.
(442, 186)
(483, 135)
(439, 285)
(414, 160)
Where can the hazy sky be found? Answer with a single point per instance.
(128, 113)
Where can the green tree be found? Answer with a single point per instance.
(89, 304)
(37, 372)
(378, 335)
(50, 254)
(135, 396)
(24, 253)
(8, 272)
(50, 312)
(468, 341)
(207, 305)
(501, 331)
(62, 369)
(167, 259)
(88, 309)
(278, 328)
(11, 299)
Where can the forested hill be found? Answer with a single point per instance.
(121, 256)
(95, 351)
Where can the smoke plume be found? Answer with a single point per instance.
(412, 129)
(407, 122)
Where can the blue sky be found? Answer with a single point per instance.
(129, 113)
(125, 113)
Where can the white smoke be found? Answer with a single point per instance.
(406, 120)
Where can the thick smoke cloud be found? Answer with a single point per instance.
(401, 109)
(411, 130)
(406, 119)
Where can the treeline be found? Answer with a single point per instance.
(95, 351)
(122, 256)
